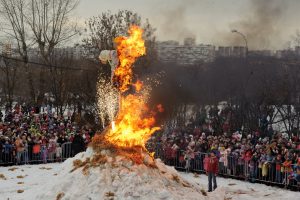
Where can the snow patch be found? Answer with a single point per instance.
(119, 178)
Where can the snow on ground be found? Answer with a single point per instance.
(26, 178)
(241, 190)
(117, 178)
(46, 180)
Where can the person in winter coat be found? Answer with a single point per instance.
(226, 161)
(19, 148)
(189, 157)
(278, 162)
(247, 159)
(212, 165)
(25, 152)
(78, 144)
(52, 148)
(7, 149)
(287, 168)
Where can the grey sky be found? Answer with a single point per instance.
(210, 21)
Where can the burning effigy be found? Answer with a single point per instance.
(117, 164)
(135, 122)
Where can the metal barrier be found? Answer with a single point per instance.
(36, 156)
(236, 167)
(230, 166)
(7, 158)
(66, 150)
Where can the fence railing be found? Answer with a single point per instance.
(236, 167)
(35, 154)
(230, 166)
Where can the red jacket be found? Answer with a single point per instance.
(248, 156)
(211, 164)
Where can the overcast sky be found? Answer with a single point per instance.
(266, 23)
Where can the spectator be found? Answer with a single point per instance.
(211, 163)
(19, 149)
(78, 144)
(189, 156)
(7, 151)
(25, 152)
(253, 156)
(52, 148)
(278, 162)
(58, 152)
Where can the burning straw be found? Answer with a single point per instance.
(135, 122)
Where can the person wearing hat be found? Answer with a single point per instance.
(212, 167)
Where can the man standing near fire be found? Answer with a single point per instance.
(211, 166)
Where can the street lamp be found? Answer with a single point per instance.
(244, 37)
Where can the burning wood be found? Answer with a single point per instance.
(135, 122)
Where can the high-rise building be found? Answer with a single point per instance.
(224, 51)
(189, 41)
(239, 51)
(70, 52)
(187, 54)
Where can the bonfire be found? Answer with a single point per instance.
(135, 122)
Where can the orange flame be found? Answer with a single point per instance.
(134, 123)
(138, 85)
(129, 49)
(133, 126)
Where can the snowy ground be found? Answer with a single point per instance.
(19, 182)
(239, 190)
(25, 179)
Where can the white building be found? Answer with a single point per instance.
(235, 51)
(187, 54)
(71, 52)
(224, 51)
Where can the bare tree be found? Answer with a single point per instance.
(50, 24)
(45, 24)
(8, 79)
(15, 27)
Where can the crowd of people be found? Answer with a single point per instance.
(29, 134)
(251, 156)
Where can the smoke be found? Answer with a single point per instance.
(171, 86)
(264, 22)
(174, 21)
(263, 27)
